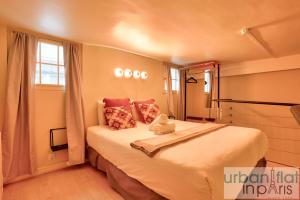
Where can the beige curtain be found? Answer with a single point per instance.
(74, 103)
(170, 101)
(181, 97)
(18, 126)
(212, 88)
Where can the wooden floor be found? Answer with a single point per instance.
(75, 183)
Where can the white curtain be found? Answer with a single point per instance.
(170, 100)
(212, 90)
(181, 96)
(18, 124)
(74, 103)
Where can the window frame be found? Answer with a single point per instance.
(40, 85)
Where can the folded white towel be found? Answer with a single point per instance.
(161, 125)
(164, 128)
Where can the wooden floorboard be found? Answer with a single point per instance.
(74, 183)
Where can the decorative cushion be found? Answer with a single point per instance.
(119, 118)
(136, 105)
(109, 102)
(149, 112)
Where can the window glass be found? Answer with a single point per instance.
(175, 79)
(207, 81)
(61, 75)
(49, 53)
(49, 74)
(50, 64)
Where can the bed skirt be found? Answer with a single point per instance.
(129, 188)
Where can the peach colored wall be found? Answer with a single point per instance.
(99, 80)
(196, 99)
(49, 113)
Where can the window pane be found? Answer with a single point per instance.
(175, 85)
(37, 74)
(61, 55)
(49, 74)
(38, 52)
(174, 73)
(207, 81)
(49, 53)
(62, 76)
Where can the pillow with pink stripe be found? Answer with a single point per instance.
(119, 118)
(149, 112)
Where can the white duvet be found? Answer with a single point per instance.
(189, 170)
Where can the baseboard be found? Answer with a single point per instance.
(51, 168)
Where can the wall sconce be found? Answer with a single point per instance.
(136, 74)
(119, 72)
(127, 73)
(144, 75)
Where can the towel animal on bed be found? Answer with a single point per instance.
(162, 125)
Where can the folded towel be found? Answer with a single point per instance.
(163, 128)
(161, 125)
(296, 112)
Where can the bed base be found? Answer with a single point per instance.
(129, 188)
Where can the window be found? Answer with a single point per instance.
(50, 69)
(175, 79)
(206, 81)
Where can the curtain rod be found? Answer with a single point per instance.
(202, 65)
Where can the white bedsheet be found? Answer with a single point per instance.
(189, 170)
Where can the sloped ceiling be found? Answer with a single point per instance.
(179, 31)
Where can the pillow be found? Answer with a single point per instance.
(101, 117)
(149, 112)
(136, 105)
(125, 102)
(119, 118)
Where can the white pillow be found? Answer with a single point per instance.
(101, 118)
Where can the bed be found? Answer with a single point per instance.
(189, 170)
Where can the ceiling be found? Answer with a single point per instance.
(178, 31)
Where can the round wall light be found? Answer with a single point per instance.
(127, 73)
(136, 74)
(119, 72)
(144, 75)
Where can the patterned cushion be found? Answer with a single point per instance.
(149, 112)
(136, 105)
(119, 118)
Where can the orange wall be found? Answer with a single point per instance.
(99, 80)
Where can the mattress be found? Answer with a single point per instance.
(189, 170)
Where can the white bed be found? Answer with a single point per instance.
(189, 170)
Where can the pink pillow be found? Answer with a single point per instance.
(125, 102)
(149, 112)
(119, 118)
(117, 102)
(136, 104)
